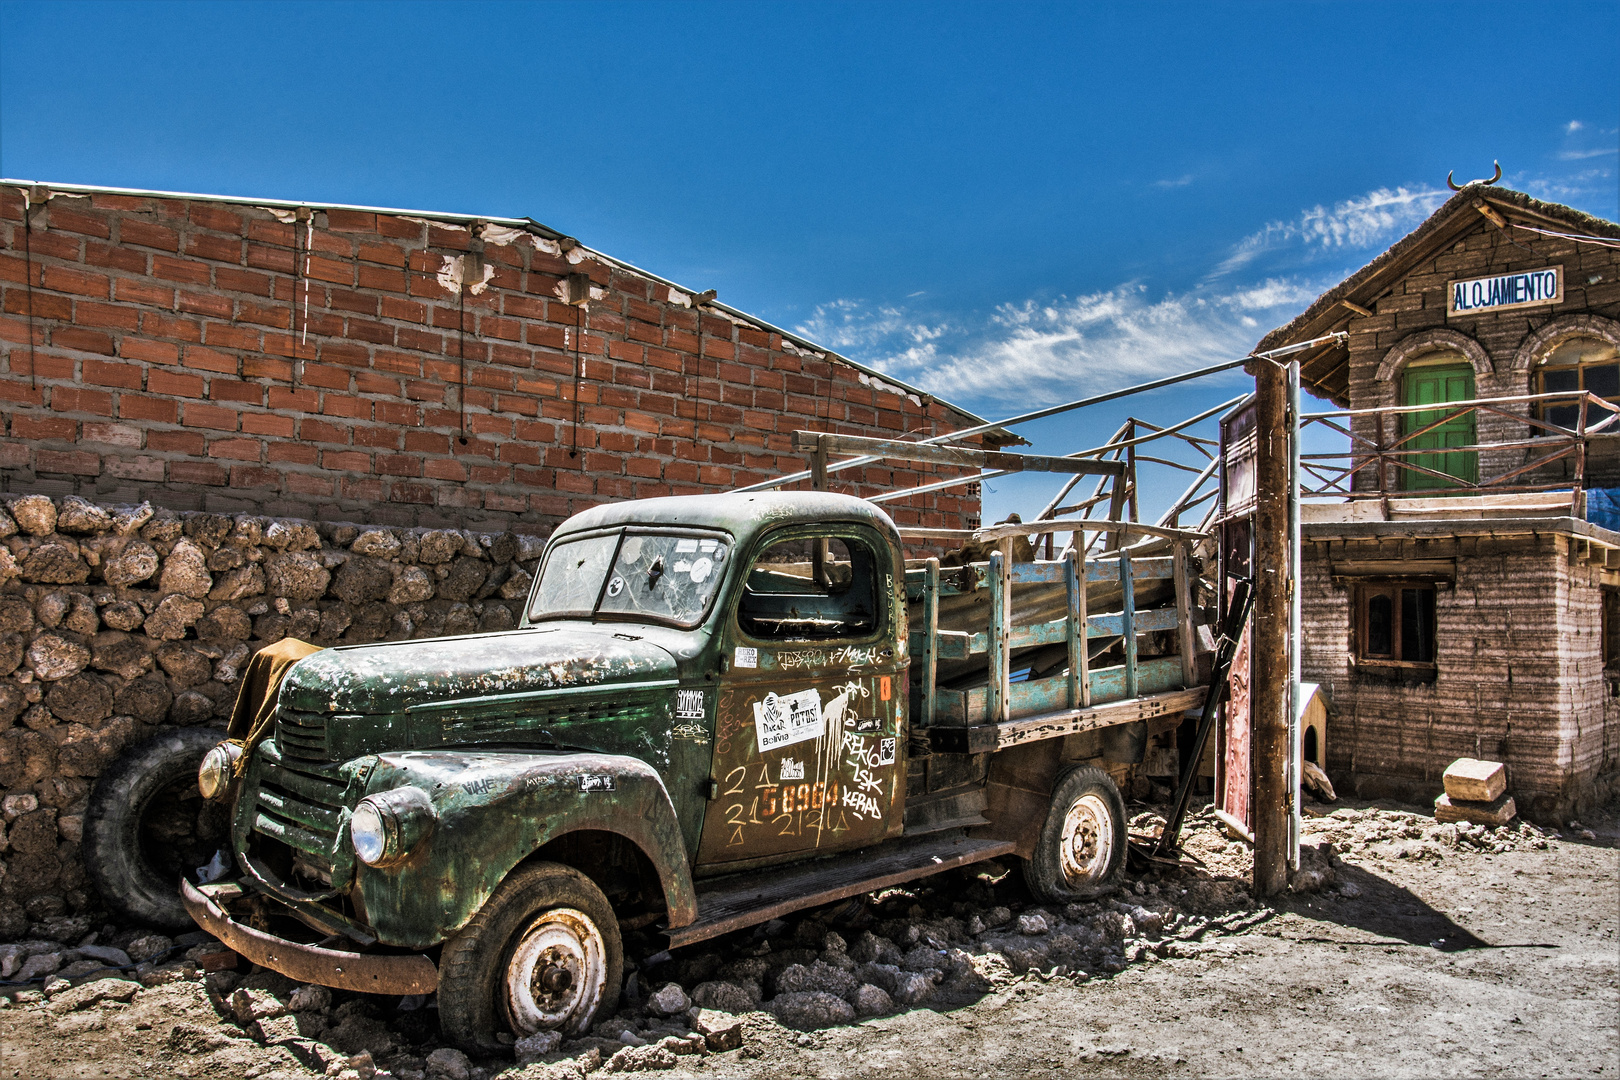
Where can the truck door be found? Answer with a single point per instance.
(809, 754)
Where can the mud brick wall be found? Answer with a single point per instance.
(1519, 675)
(115, 621)
(1410, 322)
(385, 368)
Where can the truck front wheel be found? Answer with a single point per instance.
(1081, 849)
(543, 954)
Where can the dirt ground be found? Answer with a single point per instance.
(1423, 950)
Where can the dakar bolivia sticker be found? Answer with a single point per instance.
(783, 721)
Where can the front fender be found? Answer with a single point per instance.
(494, 810)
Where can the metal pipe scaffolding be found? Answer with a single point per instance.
(1054, 410)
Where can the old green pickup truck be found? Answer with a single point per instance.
(716, 710)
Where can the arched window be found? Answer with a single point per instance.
(1575, 364)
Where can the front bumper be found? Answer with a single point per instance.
(372, 974)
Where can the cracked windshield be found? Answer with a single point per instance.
(665, 577)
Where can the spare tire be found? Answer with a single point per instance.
(147, 824)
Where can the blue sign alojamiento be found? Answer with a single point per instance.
(1531, 287)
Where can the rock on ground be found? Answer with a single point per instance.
(811, 1010)
(670, 1000)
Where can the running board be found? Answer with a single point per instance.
(733, 902)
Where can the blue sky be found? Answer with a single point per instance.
(1009, 205)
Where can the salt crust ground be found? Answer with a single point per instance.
(1423, 951)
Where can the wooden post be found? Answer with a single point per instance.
(1186, 640)
(999, 685)
(1127, 622)
(1378, 435)
(1116, 511)
(1269, 692)
(1076, 627)
(818, 481)
(1130, 470)
(930, 657)
(1085, 628)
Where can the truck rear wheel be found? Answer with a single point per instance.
(543, 954)
(1081, 849)
(147, 824)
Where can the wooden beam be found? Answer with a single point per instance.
(1127, 622)
(930, 657)
(1001, 632)
(984, 738)
(1185, 637)
(1079, 658)
(939, 454)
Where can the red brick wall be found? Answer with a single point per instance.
(168, 360)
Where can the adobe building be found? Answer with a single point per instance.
(396, 367)
(1461, 582)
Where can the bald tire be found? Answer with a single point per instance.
(1044, 871)
(473, 965)
(137, 875)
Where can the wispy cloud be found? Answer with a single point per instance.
(1573, 126)
(1180, 181)
(1372, 220)
(1039, 352)
(1589, 185)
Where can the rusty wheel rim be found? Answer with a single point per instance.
(1087, 844)
(557, 974)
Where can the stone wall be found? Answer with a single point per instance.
(115, 621)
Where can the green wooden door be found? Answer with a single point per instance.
(1435, 386)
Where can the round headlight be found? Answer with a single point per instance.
(368, 833)
(218, 765)
(385, 827)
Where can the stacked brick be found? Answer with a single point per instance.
(116, 621)
(338, 364)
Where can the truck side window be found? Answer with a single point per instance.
(810, 588)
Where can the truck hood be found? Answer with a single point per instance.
(393, 677)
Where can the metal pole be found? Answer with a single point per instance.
(1269, 694)
(1295, 547)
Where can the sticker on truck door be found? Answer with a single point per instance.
(783, 721)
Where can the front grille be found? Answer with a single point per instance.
(301, 810)
(531, 723)
(302, 736)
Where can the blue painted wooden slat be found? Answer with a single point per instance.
(956, 645)
(1098, 570)
(968, 707)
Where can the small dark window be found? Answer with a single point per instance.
(811, 588)
(1380, 626)
(1395, 624)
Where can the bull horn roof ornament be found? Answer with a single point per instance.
(1482, 183)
